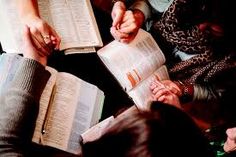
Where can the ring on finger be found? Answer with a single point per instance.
(47, 39)
(46, 36)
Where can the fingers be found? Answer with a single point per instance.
(124, 27)
(231, 133)
(229, 145)
(129, 23)
(30, 43)
(117, 19)
(42, 31)
(162, 91)
(156, 84)
(41, 41)
(44, 34)
(27, 36)
(48, 38)
(172, 86)
(29, 48)
(164, 95)
(118, 12)
(128, 39)
(117, 34)
(122, 37)
(56, 40)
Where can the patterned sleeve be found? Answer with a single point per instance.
(178, 25)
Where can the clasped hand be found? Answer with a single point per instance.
(126, 23)
(43, 35)
(166, 91)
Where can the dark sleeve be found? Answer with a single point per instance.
(19, 107)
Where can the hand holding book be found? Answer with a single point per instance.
(46, 36)
(30, 49)
(165, 91)
(135, 65)
(74, 22)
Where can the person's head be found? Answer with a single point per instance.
(165, 131)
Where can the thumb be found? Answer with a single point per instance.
(27, 36)
(117, 19)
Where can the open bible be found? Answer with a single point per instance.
(74, 21)
(68, 106)
(135, 65)
(101, 128)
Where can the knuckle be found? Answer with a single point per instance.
(41, 24)
(133, 26)
(129, 12)
(58, 40)
(33, 30)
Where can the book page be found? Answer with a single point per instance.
(79, 50)
(70, 112)
(74, 21)
(142, 93)
(44, 105)
(97, 130)
(131, 63)
(88, 112)
(10, 27)
(9, 64)
(98, 107)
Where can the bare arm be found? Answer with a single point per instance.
(28, 8)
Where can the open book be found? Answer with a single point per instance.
(99, 129)
(135, 65)
(68, 106)
(73, 20)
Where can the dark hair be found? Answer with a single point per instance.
(166, 131)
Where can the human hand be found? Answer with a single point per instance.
(117, 13)
(128, 26)
(163, 94)
(172, 86)
(31, 50)
(131, 23)
(230, 144)
(42, 33)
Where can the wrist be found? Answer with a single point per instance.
(139, 16)
(39, 59)
(187, 91)
(29, 18)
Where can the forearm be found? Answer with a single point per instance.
(27, 8)
(19, 107)
(205, 93)
(197, 92)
